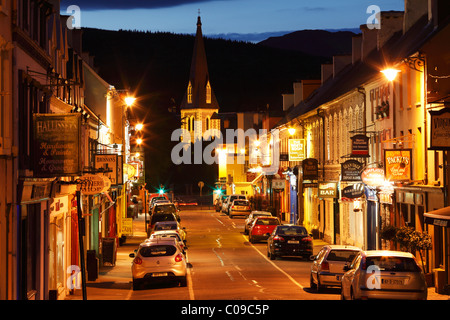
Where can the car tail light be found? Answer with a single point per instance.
(278, 238)
(325, 266)
(232, 207)
(137, 260)
(307, 239)
(179, 258)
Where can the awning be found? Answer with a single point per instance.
(439, 217)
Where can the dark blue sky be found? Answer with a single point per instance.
(226, 16)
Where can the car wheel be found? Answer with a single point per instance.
(319, 287)
(183, 281)
(136, 284)
(312, 284)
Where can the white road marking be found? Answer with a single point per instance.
(276, 267)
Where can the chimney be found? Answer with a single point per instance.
(356, 48)
(391, 22)
(369, 40)
(308, 87)
(288, 101)
(340, 62)
(326, 72)
(414, 10)
(298, 92)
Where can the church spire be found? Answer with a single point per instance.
(199, 93)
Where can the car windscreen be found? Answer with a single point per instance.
(292, 231)
(170, 208)
(342, 255)
(157, 251)
(267, 222)
(393, 264)
(162, 217)
(165, 226)
(240, 203)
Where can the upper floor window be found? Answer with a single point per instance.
(208, 93)
(189, 93)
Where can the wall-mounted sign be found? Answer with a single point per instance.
(278, 184)
(352, 192)
(107, 162)
(373, 177)
(57, 144)
(92, 184)
(327, 190)
(440, 129)
(296, 149)
(360, 145)
(398, 164)
(351, 170)
(310, 169)
(127, 226)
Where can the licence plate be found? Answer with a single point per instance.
(159, 274)
(293, 241)
(393, 281)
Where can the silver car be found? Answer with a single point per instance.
(240, 207)
(328, 265)
(164, 234)
(252, 216)
(377, 274)
(158, 260)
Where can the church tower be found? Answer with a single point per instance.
(199, 107)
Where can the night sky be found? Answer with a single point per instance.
(226, 16)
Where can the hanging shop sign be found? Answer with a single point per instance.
(92, 184)
(296, 149)
(351, 170)
(360, 146)
(373, 177)
(352, 192)
(327, 190)
(57, 145)
(398, 164)
(107, 162)
(310, 168)
(278, 184)
(440, 129)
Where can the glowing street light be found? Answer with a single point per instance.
(129, 101)
(139, 126)
(390, 73)
(291, 131)
(138, 140)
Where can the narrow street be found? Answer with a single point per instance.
(224, 265)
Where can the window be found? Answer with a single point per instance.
(189, 93)
(207, 123)
(208, 93)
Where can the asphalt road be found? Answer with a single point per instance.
(224, 266)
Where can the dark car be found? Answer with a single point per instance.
(289, 240)
(158, 217)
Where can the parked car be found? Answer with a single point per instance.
(170, 226)
(289, 240)
(252, 216)
(154, 199)
(158, 260)
(327, 268)
(164, 234)
(219, 202)
(240, 207)
(154, 218)
(377, 274)
(168, 207)
(230, 200)
(262, 227)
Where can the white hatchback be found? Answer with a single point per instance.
(158, 260)
(378, 274)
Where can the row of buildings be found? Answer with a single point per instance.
(360, 150)
(67, 158)
(366, 147)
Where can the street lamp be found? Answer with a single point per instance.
(139, 126)
(390, 73)
(291, 131)
(129, 101)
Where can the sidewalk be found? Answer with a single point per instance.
(112, 281)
